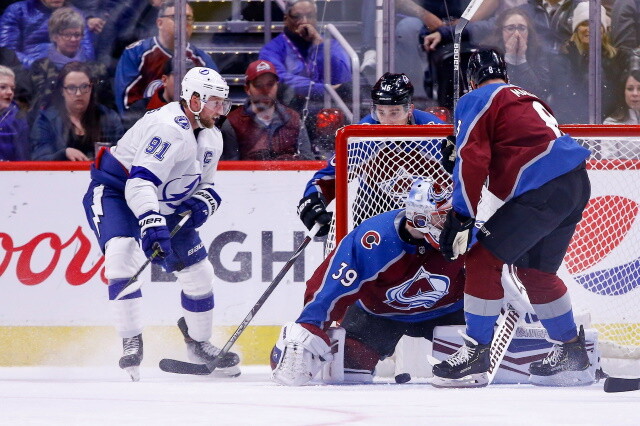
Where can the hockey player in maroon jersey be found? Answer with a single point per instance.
(509, 137)
(389, 278)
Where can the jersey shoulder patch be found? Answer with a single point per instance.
(370, 239)
(182, 121)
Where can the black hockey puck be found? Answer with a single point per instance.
(403, 378)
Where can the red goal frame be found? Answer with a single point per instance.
(441, 131)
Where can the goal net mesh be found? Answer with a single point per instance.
(602, 266)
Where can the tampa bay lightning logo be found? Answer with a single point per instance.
(601, 257)
(178, 189)
(182, 121)
(204, 71)
(423, 290)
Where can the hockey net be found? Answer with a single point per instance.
(376, 164)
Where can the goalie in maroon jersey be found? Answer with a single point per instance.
(387, 279)
(508, 137)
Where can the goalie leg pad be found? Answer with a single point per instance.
(333, 372)
(298, 355)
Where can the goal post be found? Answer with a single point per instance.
(375, 163)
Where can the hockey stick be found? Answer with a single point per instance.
(131, 286)
(182, 367)
(457, 37)
(618, 384)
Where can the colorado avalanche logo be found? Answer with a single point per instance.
(182, 121)
(178, 189)
(370, 239)
(423, 290)
(596, 237)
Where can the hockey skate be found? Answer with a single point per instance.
(566, 365)
(132, 356)
(466, 368)
(205, 353)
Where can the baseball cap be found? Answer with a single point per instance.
(259, 67)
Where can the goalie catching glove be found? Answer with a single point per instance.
(456, 235)
(448, 151)
(312, 209)
(299, 354)
(202, 204)
(155, 236)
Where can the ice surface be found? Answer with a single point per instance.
(105, 396)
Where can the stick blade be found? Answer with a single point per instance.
(182, 367)
(617, 384)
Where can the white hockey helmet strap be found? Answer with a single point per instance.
(206, 82)
(426, 208)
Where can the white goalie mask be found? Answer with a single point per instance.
(426, 208)
(207, 83)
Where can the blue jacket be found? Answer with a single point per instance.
(14, 135)
(24, 29)
(297, 71)
(49, 135)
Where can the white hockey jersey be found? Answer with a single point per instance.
(162, 148)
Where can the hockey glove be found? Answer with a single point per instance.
(202, 204)
(448, 151)
(155, 236)
(456, 235)
(299, 354)
(312, 210)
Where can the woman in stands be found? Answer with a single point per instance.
(516, 38)
(74, 121)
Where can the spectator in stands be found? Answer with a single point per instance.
(66, 27)
(24, 29)
(24, 91)
(14, 131)
(263, 128)
(162, 96)
(140, 68)
(570, 90)
(629, 113)
(298, 56)
(75, 121)
(528, 65)
(128, 22)
(625, 24)
(96, 11)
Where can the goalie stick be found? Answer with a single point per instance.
(457, 36)
(508, 321)
(618, 384)
(133, 284)
(182, 367)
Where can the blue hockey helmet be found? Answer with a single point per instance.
(426, 208)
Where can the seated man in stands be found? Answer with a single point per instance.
(298, 56)
(140, 68)
(23, 28)
(263, 128)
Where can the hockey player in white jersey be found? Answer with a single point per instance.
(160, 170)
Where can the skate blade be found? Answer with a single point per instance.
(134, 373)
(226, 372)
(564, 379)
(478, 380)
